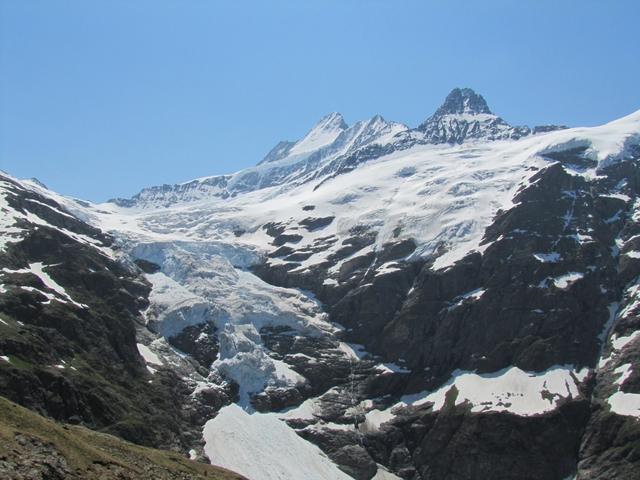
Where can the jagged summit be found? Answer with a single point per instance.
(465, 115)
(331, 121)
(463, 100)
(323, 133)
(332, 147)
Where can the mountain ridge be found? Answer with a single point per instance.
(406, 310)
(463, 116)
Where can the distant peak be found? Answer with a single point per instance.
(465, 115)
(463, 100)
(332, 121)
(35, 181)
(322, 134)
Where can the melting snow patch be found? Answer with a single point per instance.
(353, 350)
(373, 419)
(563, 281)
(148, 355)
(305, 411)
(386, 268)
(37, 269)
(384, 474)
(553, 257)
(619, 343)
(619, 196)
(386, 368)
(473, 295)
(262, 447)
(624, 371)
(5, 358)
(632, 254)
(627, 404)
(511, 390)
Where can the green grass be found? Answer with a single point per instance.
(84, 449)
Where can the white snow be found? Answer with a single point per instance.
(473, 295)
(552, 257)
(620, 402)
(619, 343)
(623, 403)
(511, 390)
(353, 350)
(323, 134)
(563, 281)
(148, 355)
(450, 196)
(37, 269)
(307, 410)
(386, 368)
(624, 371)
(5, 358)
(373, 419)
(384, 474)
(262, 447)
(386, 268)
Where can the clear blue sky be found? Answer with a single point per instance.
(101, 98)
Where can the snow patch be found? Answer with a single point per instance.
(552, 257)
(262, 447)
(148, 355)
(627, 404)
(509, 390)
(618, 343)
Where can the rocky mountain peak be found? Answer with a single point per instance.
(332, 121)
(465, 115)
(463, 100)
(323, 133)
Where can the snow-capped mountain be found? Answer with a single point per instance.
(454, 301)
(332, 147)
(465, 115)
(288, 163)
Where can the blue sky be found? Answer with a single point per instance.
(101, 98)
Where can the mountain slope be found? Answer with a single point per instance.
(455, 301)
(36, 447)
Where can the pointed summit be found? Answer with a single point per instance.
(463, 101)
(332, 121)
(463, 116)
(323, 133)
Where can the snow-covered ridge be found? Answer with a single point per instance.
(323, 152)
(441, 196)
(288, 163)
(463, 116)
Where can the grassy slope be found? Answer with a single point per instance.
(34, 447)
